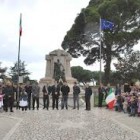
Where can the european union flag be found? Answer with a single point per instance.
(106, 25)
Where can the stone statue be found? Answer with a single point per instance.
(59, 71)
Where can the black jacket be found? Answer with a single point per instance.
(65, 90)
(88, 91)
(8, 91)
(48, 90)
(55, 89)
(76, 90)
(28, 89)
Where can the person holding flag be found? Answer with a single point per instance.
(110, 99)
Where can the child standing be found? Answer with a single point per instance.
(23, 103)
(125, 105)
(133, 106)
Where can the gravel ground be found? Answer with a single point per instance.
(97, 124)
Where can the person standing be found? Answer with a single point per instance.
(118, 90)
(46, 92)
(1, 98)
(55, 95)
(65, 91)
(76, 92)
(35, 95)
(88, 93)
(28, 90)
(17, 95)
(8, 92)
(23, 100)
(101, 93)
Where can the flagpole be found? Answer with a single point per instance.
(100, 76)
(19, 57)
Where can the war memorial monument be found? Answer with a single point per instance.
(58, 68)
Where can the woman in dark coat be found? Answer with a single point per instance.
(8, 92)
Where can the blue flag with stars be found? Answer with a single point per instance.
(106, 25)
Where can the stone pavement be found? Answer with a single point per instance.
(97, 124)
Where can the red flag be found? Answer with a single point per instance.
(20, 25)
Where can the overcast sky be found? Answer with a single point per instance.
(44, 23)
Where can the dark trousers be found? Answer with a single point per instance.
(100, 99)
(64, 102)
(76, 100)
(29, 102)
(46, 98)
(55, 101)
(8, 102)
(36, 99)
(87, 100)
(24, 108)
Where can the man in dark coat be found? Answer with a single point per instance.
(46, 92)
(88, 93)
(28, 90)
(65, 91)
(55, 95)
(8, 92)
(76, 92)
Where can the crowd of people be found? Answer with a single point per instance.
(26, 96)
(127, 99)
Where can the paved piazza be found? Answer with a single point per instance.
(97, 124)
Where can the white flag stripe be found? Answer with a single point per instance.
(110, 98)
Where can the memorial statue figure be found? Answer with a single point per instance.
(59, 71)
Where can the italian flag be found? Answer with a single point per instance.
(20, 25)
(110, 100)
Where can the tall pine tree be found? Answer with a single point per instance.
(83, 37)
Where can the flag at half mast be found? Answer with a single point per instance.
(20, 25)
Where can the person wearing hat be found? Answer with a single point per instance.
(8, 92)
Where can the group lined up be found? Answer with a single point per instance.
(27, 93)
